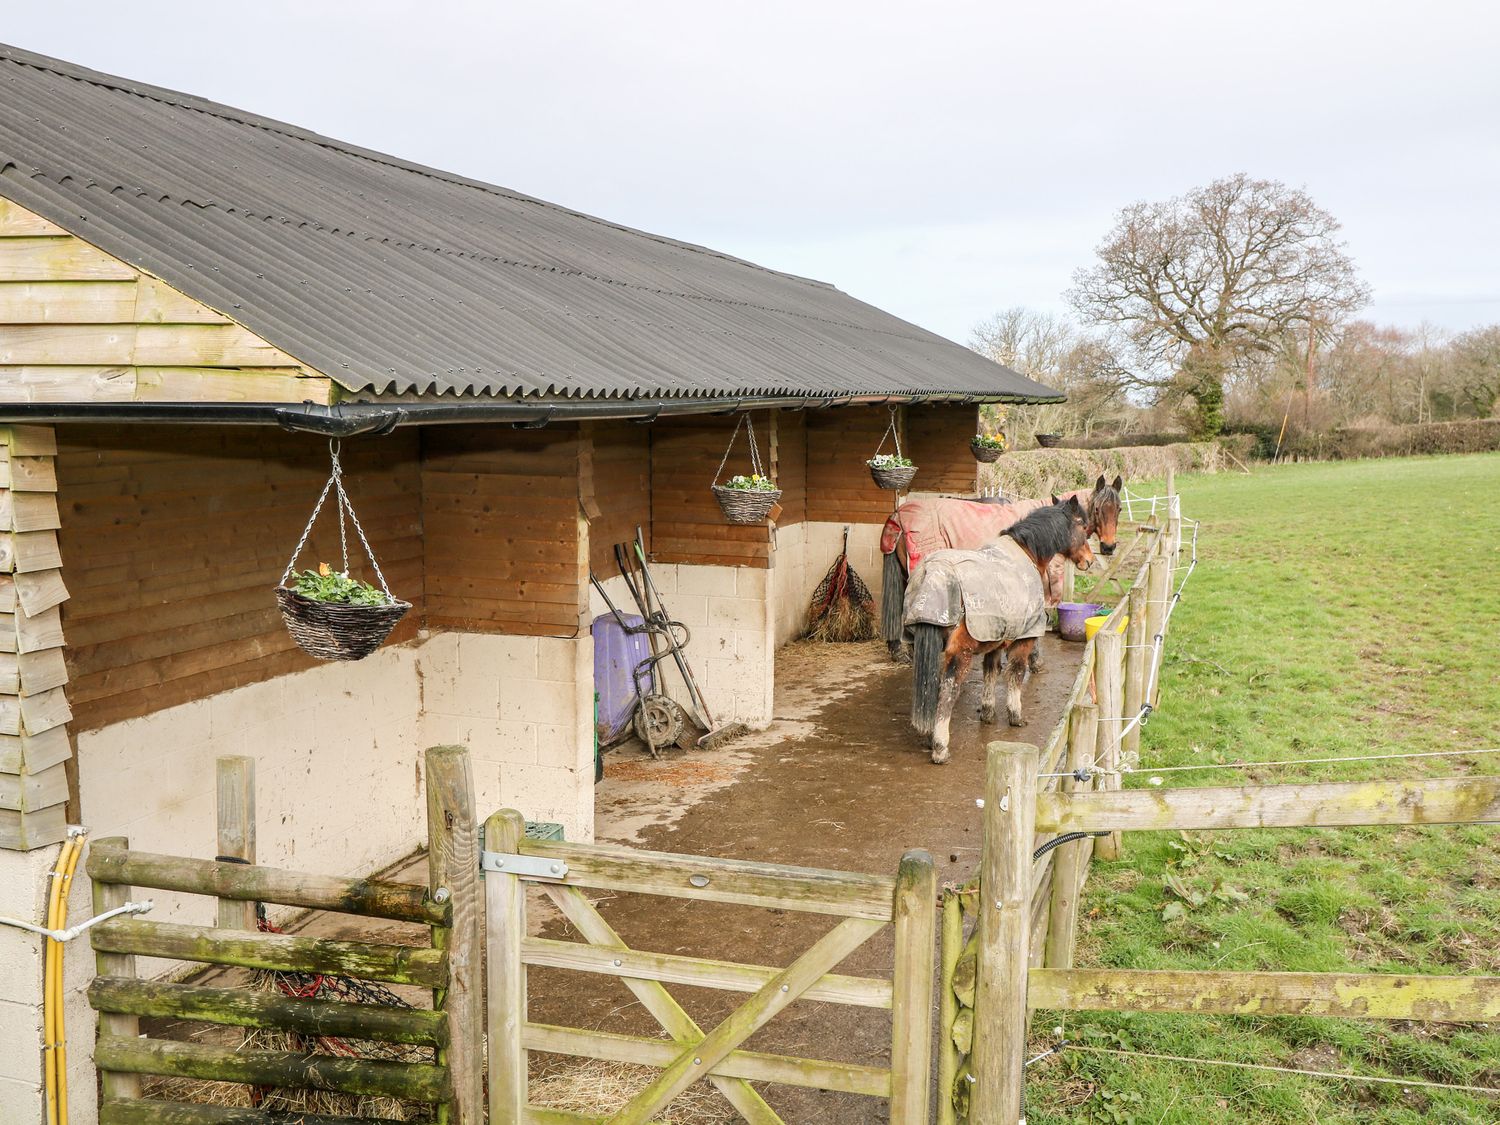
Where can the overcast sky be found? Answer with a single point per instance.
(943, 161)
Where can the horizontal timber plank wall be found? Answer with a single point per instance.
(687, 525)
(937, 439)
(173, 537)
(789, 460)
(506, 547)
(839, 442)
(79, 325)
(622, 490)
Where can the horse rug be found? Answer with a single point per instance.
(995, 591)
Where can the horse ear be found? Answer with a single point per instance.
(1099, 484)
(1055, 500)
(1119, 483)
(1075, 506)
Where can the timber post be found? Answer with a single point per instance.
(1134, 690)
(505, 930)
(453, 880)
(952, 944)
(234, 777)
(1067, 866)
(1158, 593)
(915, 919)
(1000, 1012)
(110, 896)
(1108, 653)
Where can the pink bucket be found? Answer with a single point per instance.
(1071, 617)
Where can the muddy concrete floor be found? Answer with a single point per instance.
(837, 781)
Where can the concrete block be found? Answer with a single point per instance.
(750, 582)
(706, 581)
(691, 610)
(21, 1032)
(557, 659)
(736, 613)
(232, 711)
(500, 740)
(566, 747)
(536, 701)
(21, 1101)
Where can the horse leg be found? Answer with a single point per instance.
(957, 658)
(1015, 677)
(992, 665)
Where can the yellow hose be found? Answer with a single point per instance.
(53, 1022)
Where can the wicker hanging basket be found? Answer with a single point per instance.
(744, 505)
(986, 453)
(896, 477)
(337, 630)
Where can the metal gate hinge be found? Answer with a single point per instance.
(526, 866)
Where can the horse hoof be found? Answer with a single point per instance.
(1015, 722)
(940, 757)
(987, 716)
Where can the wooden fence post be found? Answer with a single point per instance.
(999, 1055)
(1108, 654)
(453, 877)
(108, 896)
(1158, 590)
(952, 945)
(235, 778)
(505, 930)
(1136, 641)
(1067, 865)
(915, 918)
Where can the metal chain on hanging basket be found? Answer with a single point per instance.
(887, 472)
(335, 630)
(745, 505)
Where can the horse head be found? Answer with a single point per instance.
(1077, 551)
(1104, 512)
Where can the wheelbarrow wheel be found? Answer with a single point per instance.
(658, 721)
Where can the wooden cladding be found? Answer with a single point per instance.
(175, 537)
(621, 490)
(687, 525)
(506, 547)
(937, 439)
(82, 326)
(839, 488)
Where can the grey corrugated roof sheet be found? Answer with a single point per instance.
(395, 278)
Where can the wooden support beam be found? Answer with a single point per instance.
(1435, 999)
(1067, 868)
(235, 794)
(372, 898)
(1339, 804)
(395, 964)
(505, 941)
(1109, 651)
(951, 945)
(116, 1025)
(241, 1007)
(911, 1003)
(998, 1057)
(114, 1111)
(453, 876)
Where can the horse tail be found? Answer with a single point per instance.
(892, 601)
(928, 644)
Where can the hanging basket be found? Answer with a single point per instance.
(745, 505)
(886, 475)
(1049, 441)
(337, 630)
(892, 476)
(334, 630)
(988, 454)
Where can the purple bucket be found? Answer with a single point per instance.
(1072, 615)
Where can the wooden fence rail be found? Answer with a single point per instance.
(450, 1031)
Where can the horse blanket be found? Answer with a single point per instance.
(920, 527)
(996, 591)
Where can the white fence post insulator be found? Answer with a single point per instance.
(1108, 670)
(999, 1056)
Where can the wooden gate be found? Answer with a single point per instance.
(865, 903)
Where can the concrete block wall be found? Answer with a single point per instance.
(822, 544)
(524, 706)
(24, 886)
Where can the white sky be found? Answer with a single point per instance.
(942, 161)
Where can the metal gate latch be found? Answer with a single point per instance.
(526, 866)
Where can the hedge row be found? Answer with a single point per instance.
(1479, 435)
(1039, 472)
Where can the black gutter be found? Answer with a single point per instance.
(347, 419)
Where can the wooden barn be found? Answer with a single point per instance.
(194, 300)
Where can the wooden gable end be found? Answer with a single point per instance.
(77, 325)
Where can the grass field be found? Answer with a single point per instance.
(1340, 609)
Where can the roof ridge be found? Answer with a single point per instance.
(64, 69)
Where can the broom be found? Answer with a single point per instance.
(842, 608)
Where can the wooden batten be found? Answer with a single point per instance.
(34, 707)
(82, 326)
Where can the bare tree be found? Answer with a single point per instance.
(1474, 372)
(1202, 282)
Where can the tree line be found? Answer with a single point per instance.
(1233, 306)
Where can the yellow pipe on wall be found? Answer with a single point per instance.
(54, 1023)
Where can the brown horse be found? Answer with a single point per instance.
(988, 603)
(920, 527)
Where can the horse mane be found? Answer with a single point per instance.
(1045, 532)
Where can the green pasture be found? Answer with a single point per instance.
(1338, 609)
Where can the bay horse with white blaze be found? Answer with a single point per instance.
(989, 603)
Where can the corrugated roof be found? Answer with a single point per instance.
(394, 278)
